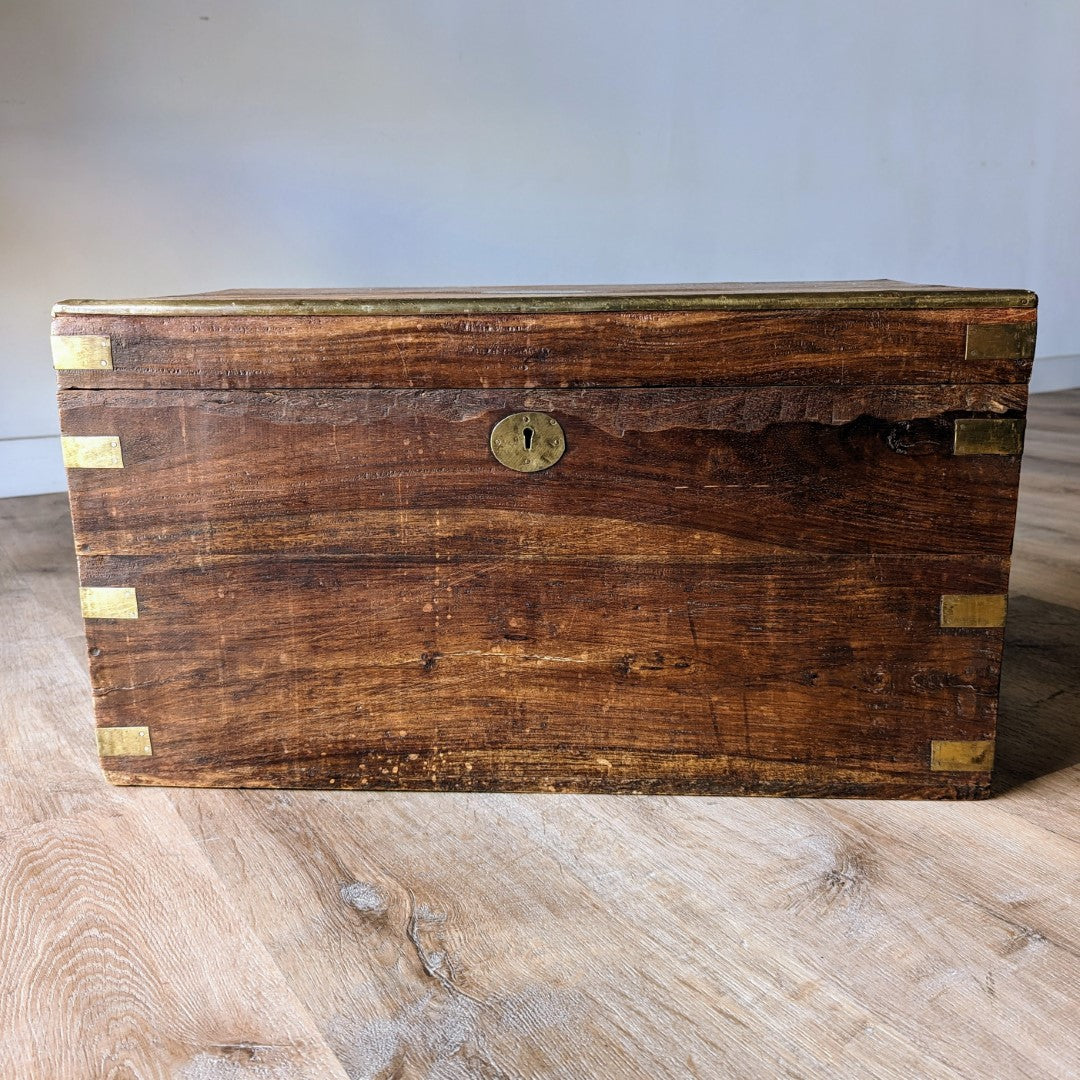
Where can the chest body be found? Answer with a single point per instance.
(723, 539)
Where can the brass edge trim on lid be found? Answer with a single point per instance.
(555, 304)
(961, 755)
(124, 742)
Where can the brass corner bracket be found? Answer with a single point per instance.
(124, 742)
(988, 435)
(81, 352)
(105, 602)
(91, 452)
(1000, 341)
(948, 755)
(973, 611)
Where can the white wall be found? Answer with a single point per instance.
(159, 146)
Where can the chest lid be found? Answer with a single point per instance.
(811, 333)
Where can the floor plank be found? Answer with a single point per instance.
(120, 953)
(217, 935)
(122, 958)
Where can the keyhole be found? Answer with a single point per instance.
(527, 442)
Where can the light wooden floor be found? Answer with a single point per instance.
(226, 935)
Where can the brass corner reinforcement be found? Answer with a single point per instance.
(91, 452)
(1000, 341)
(949, 755)
(124, 742)
(72, 352)
(106, 602)
(973, 611)
(988, 435)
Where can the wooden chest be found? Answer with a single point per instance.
(704, 538)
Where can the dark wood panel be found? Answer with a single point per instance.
(789, 675)
(689, 473)
(664, 348)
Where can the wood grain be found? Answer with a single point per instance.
(730, 581)
(100, 978)
(432, 935)
(669, 938)
(787, 676)
(824, 348)
(677, 473)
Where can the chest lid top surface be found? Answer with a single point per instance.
(720, 296)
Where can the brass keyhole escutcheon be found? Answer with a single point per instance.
(528, 441)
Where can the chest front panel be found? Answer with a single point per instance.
(770, 558)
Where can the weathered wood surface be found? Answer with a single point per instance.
(664, 348)
(641, 617)
(792, 676)
(683, 473)
(436, 936)
(688, 507)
